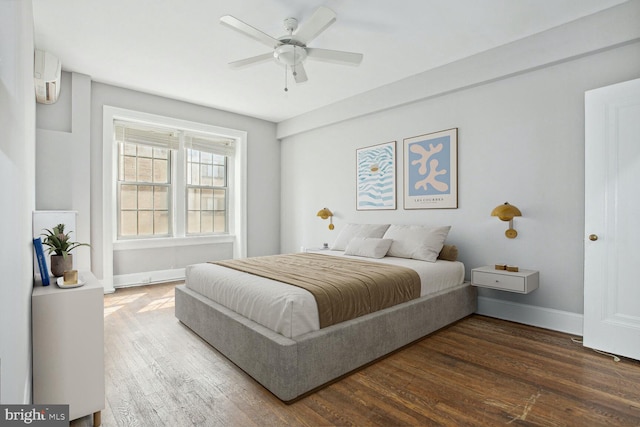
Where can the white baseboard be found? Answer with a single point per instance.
(108, 287)
(548, 318)
(145, 278)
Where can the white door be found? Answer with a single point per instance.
(612, 219)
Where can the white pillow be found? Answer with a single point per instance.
(357, 230)
(416, 241)
(369, 247)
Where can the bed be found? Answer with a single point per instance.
(274, 334)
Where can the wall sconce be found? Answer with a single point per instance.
(506, 212)
(325, 213)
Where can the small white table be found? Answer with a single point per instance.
(523, 281)
(68, 347)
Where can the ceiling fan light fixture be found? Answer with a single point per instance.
(290, 55)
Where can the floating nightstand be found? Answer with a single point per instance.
(523, 281)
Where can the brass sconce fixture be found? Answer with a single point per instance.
(506, 212)
(325, 213)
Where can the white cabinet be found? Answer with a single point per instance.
(68, 347)
(523, 281)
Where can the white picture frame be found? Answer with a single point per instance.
(431, 170)
(376, 177)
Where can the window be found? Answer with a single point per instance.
(144, 190)
(171, 182)
(206, 192)
(177, 136)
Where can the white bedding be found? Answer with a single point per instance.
(290, 310)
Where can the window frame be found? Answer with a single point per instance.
(179, 145)
(226, 187)
(170, 205)
(237, 180)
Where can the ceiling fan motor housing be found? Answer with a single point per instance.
(290, 24)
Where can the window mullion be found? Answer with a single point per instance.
(179, 184)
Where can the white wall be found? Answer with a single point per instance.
(17, 196)
(520, 140)
(62, 166)
(88, 99)
(263, 158)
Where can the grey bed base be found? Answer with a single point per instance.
(289, 367)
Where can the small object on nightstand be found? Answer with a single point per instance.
(512, 268)
(501, 267)
(70, 277)
(325, 246)
(60, 283)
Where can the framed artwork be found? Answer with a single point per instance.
(431, 170)
(376, 177)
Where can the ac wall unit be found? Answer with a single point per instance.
(46, 76)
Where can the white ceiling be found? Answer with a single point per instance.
(178, 49)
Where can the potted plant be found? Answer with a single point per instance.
(60, 245)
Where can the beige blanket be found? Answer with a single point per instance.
(344, 288)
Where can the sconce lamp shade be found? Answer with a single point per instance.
(506, 212)
(324, 213)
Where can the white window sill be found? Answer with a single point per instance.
(123, 245)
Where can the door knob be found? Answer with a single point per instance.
(593, 237)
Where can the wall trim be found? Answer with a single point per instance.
(548, 318)
(148, 277)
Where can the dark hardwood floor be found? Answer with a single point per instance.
(479, 371)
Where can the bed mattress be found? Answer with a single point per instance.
(292, 311)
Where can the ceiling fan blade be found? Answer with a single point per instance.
(250, 61)
(335, 56)
(249, 31)
(299, 74)
(319, 21)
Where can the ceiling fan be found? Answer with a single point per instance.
(291, 49)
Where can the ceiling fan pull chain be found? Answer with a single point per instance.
(286, 89)
(293, 68)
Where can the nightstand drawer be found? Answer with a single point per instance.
(523, 281)
(498, 281)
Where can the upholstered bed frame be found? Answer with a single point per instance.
(290, 368)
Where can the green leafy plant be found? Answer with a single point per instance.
(60, 242)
